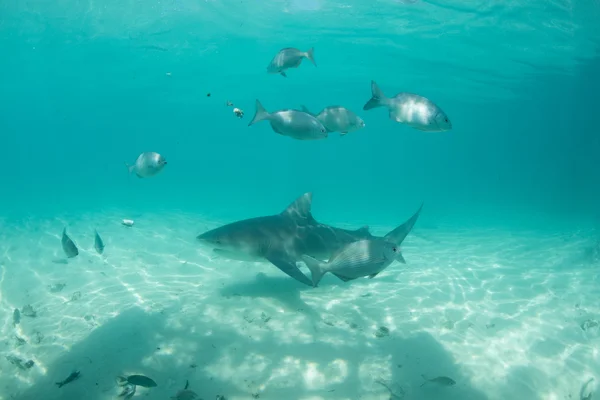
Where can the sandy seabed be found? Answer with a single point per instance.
(505, 314)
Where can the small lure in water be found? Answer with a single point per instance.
(98, 243)
(440, 380)
(74, 376)
(238, 112)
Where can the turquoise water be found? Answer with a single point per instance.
(507, 236)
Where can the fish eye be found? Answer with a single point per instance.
(394, 249)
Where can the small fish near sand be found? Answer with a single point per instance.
(440, 381)
(16, 317)
(338, 119)
(292, 123)
(358, 259)
(73, 377)
(98, 243)
(20, 363)
(57, 287)
(185, 393)
(147, 164)
(28, 311)
(289, 58)
(128, 391)
(410, 109)
(68, 245)
(137, 380)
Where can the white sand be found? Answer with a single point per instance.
(497, 311)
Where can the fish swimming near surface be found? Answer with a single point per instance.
(68, 246)
(289, 58)
(293, 123)
(338, 119)
(283, 238)
(98, 243)
(367, 257)
(410, 109)
(440, 380)
(147, 164)
(74, 376)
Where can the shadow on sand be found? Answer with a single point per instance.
(151, 344)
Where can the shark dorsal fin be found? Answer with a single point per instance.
(363, 229)
(300, 208)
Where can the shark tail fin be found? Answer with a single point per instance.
(310, 54)
(260, 114)
(377, 99)
(399, 233)
(316, 269)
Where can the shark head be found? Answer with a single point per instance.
(257, 236)
(231, 238)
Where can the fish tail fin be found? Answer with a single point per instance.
(399, 233)
(306, 110)
(426, 380)
(310, 54)
(378, 99)
(260, 114)
(130, 168)
(316, 269)
(59, 384)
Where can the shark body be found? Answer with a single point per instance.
(283, 238)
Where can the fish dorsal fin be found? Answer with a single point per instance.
(300, 208)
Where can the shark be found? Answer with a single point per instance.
(283, 238)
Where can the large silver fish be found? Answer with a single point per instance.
(338, 119)
(293, 123)
(147, 164)
(289, 58)
(283, 238)
(410, 109)
(358, 259)
(68, 246)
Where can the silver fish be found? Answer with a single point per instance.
(410, 109)
(366, 257)
(289, 58)
(147, 164)
(293, 123)
(440, 380)
(98, 243)
(338, 119)
(68, 246)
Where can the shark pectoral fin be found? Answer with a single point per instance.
(373, 275)
(400, 258)
(287, 265)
